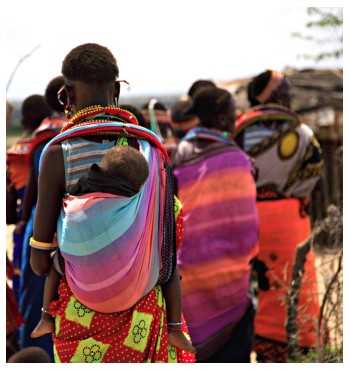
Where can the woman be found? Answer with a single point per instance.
(31, 286)
(289, 164)
(34, 109)
(110, 307)
(216, 187)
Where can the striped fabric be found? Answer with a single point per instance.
(255, 134)
(79, 155)
(112, 263)
(219, 240)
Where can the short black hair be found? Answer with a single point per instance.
(31, 354)
(181, 111)
(126, 163)
(210, 102)
(199, 84)
(33, 110)
(257, 85)
(51, 94)
(183, 118)
(90, 63)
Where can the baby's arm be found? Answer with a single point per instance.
(51, 286)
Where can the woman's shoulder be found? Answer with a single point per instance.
(52, 155)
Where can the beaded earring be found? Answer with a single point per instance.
(116, 98)
(129, 88)
(68, 111)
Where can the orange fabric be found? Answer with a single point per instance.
(281, 230)
(19, 172)
(216, 273)
(244, 189)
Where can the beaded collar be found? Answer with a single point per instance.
(111, 120)
(97, 114)
(264, 112)
(206, 134)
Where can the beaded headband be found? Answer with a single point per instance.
(186, 125)
(161, 116)
(274, 83)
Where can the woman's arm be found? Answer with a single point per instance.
(51, 186)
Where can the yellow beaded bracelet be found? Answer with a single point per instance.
(35, 244)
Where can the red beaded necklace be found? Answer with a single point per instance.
(97, 114)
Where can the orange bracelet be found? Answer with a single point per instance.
(40, 245)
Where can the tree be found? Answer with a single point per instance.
(328, 22)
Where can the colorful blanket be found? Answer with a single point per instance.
(220, 236)
(112, 263)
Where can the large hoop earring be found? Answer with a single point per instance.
(68, 108)
(59, 93)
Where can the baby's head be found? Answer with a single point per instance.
(127, 163)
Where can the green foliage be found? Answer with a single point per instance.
(329, 23)
(332, 17)
(330, 355)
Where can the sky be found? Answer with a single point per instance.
(161, 47)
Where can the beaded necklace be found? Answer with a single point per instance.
(110, 120)
(99, 114)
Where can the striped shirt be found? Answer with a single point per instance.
(79, 155)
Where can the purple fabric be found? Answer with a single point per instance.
(218, 195)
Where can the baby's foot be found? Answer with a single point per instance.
(46, 325)
(177, 338)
